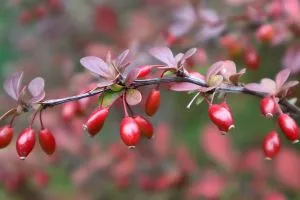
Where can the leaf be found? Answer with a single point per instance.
(96, 65)
(105, 83)
(228, 69)
(281, 78)
(179, 57)
(180, 87)
(214, 69)
(132, 76)
(164, 54)
(236, 77)
(265, 86)
(133, 97)
(110, 97)
(36, 86)
(189, 53)
(121, 61)
(12, 85)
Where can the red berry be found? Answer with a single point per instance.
(25, 17)
(221, 117)
(152, 102)
(289, 127)
(41, 179)
(70, 110)
(40, 11)
(47, 141)
(130, 132)
(6, 135)
(271, 145)
(144, 71)
(265, 33)
(145, 126)
(268, 107)
(25, 143)
(96, 120)
(251, 59)
(225, 105)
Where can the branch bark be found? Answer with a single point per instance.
(228, 88)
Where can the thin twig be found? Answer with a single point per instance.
(226, 88)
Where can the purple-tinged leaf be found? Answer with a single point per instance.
(291, 59)
(105, 83)
(164, 54)
(189, 53)
(179, 57)
(133, 97)
(12, 85)
(228, 69)
(36, 89)
(36, 86)
(181, 87)
(266, 86)
(121, 61)
(269, 85)
(214, 69)
(38, 98)
(132, 76)
(235, 78)
(96, 65)
(288, 85)
(281, 78)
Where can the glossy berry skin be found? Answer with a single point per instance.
(6, 135)
(47, 141)
(252, 59)
(152, 102)
(265, 33)
(96, 120)
(271, 145)
(268, 107)
(221, 117)
(289, 127)
(145, 126)
(130, 132)
(144, 71)
(25, 143)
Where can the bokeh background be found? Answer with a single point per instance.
(187, 158)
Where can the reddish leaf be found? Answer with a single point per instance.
(96, 65)
(36, 89)
(164, 54)
(133, 97)
(218, 147)
(132, 76)
(189, 54)
(214, 69)
(187, 86)
(122, 60)
(210, 186)
(282, 77)
(12, 85)
(287, 168)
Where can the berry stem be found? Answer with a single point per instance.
(41, 119)
(124, 105)
(12, 120)
(277, 105)
(33, 117)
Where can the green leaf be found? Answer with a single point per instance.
(109, 97)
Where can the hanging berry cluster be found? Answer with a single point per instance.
(27, 97)
(119, 82)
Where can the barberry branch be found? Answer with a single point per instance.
(226, 88)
